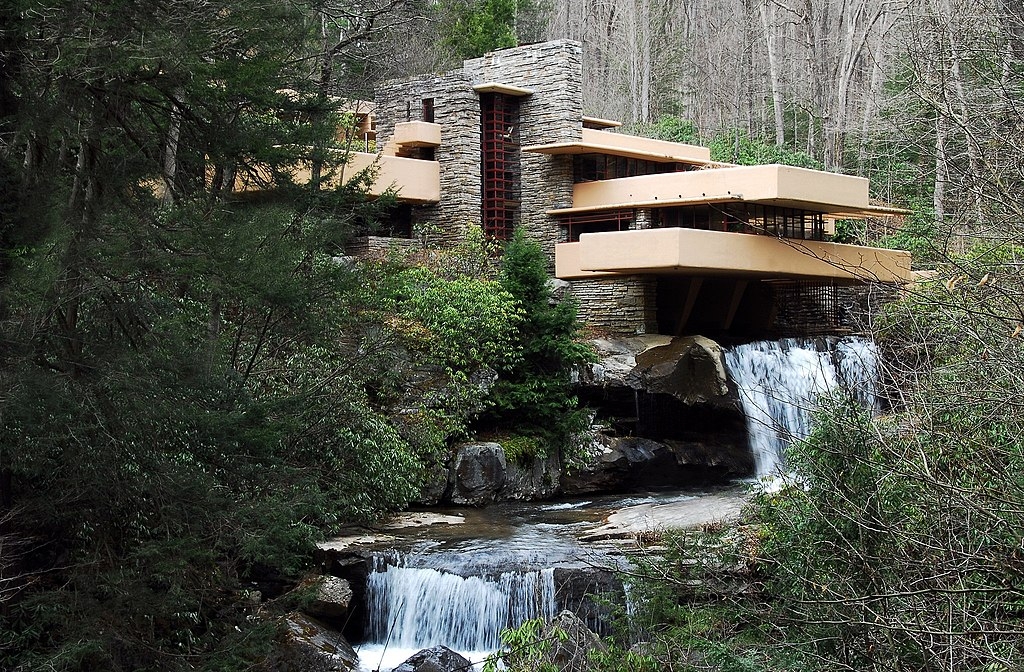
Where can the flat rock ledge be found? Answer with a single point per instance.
(644, 520)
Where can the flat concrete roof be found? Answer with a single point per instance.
(599, 123)
(595, 141)
(507, 89)
(838, 196)
(696, 200)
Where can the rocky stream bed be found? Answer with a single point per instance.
(680, 423)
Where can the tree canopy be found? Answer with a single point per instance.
(479, 26)
(196, 385)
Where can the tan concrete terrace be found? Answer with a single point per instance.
(596, 141)
(413, 134)
(710, 253)
(785, 186)
(415, 181)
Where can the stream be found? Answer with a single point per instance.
(457, 577)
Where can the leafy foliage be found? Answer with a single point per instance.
(739, 147)
(471, 322)
(728, 146)
(522, 649)
(523, 449)
(533, 394)
(918, 234)
(675, 129)
(480, 26)
(534, 646)
(196, 388)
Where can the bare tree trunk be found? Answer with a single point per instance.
(768, 24)
(941, 167)
(170, 163)
(646, 33)
(867, 116)
(638, 41)
(964, 124)
(816, 65)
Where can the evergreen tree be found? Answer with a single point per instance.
(533, 396)
(479, 26)
(186, 406)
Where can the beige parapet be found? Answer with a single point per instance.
(709, 253)
(409, 134)
(595, 141)
(784, 186)
(413, 180)
(567, 263)
(597, 123)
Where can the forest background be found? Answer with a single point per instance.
(193, 390)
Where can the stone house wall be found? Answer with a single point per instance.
(457, 111)
(617, 305)
(552, 113)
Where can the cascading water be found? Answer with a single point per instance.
(780, 383)
(416, 607)
(462, 594)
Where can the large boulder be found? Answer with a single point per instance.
(536, 478)
(691, 369)
(558, 289)
(478, 473)
(312, 646)
(592, 591)
(716, 458)
(332, 598)
(623, 464)
(613, 464)
(435, 483)
(437, 659)
(616, 359)
(430, 383)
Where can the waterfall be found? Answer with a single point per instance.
(416, 607)
(780, 383)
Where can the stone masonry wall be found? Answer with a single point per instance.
(553, 113)
(553, 71)
(457, 111)
(618, 305)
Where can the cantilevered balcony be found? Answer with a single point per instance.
(678, 251)
(596, 141)
(412, 135)
(838, 196)
(414, 181)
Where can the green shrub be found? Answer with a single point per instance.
(523, 450)
(533, 394)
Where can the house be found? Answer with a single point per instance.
(652, 236)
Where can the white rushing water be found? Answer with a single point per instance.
(781, 382)
(414, 607)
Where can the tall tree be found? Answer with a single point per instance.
(479, 26)
(184, 410)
